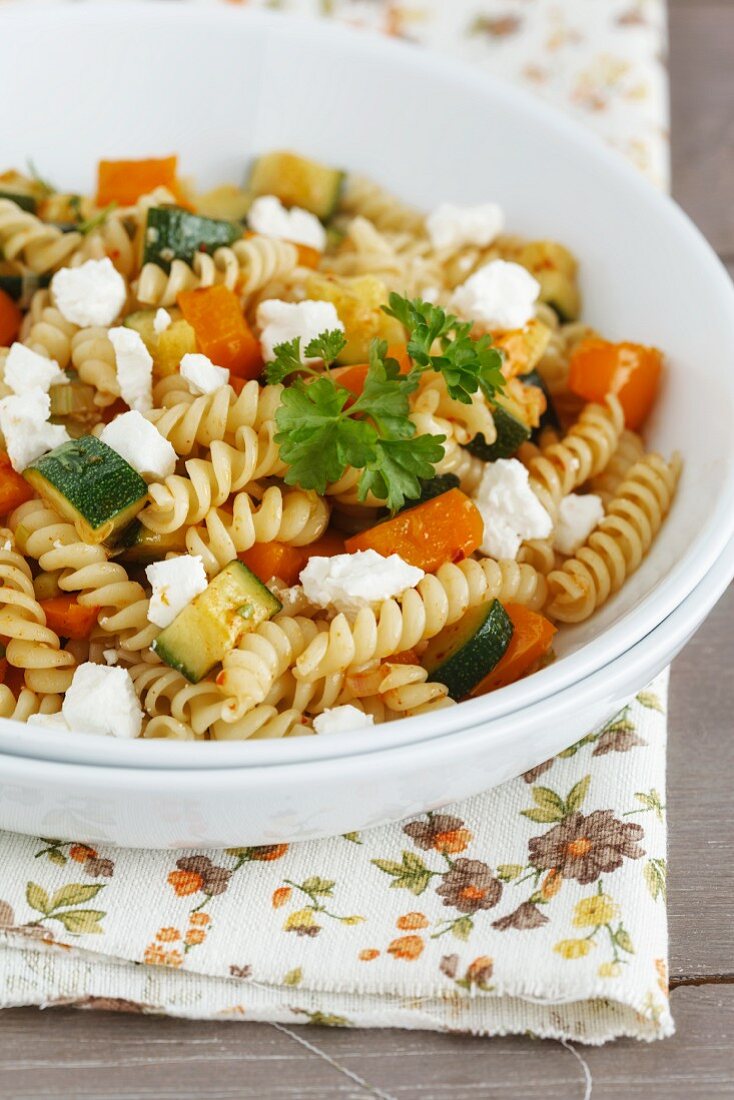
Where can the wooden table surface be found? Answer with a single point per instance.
(67, 1053)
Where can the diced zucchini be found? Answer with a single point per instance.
(18, 284)
(235, 602)
(512, 431)
(90, 485)
(168, 347)
(137, 544)
(298, 181)
(46, 585)
(358, 302)
(172, 233)
(433, 487)
(21, 198)
(227, 201)
(72, 399)
(555, 269)
(467, 651)
(548, 419)
(561, 294)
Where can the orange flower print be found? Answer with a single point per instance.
(269, 852)
(550, 885)
(662, 969)
(442, 832)
(453, 841)
(406, 947)
(80, 853)
(168, 935)
(194, 936)
(480, 971)
(199, 920)
(280, 896)
(186, 882)
(411, 922)
(156, 956)
(368, 954)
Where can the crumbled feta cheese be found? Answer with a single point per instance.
(280, 322)
(110, 656)
(342, 719)
(134, 368)
(502, 295)
(350, 581)
(578, 515)
(451, 227)
(161, 321)
(103, 700)
(510, 509)
(26, 428)
(91, 294)
(201, 374)
(27, 370)
(175, 582)
(140, 443)
(55, 721)
(270, 218)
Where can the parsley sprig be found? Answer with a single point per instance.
(323, 429)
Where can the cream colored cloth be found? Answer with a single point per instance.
(538, 907)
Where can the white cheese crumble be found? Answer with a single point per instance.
(351, 581)
(91, 294)
(280, 322)
(175, 582)
(270, 218)
(25, 425)
(501, 295)
(452, 227)
(161, 321)
(578, 515)
(202, 375)
(140, 443)
(49, 721)
(103, 700)
(110, 656)
(27, 370)
(510, 509)
(134, 368)
(342, 719)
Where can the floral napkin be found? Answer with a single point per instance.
(537, 907)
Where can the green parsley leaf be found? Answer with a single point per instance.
(395, 473)
(87, 226)
(287, 360)
(327, 346)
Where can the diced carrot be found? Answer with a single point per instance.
(237, 384)
(14, 679)
(109, 412)
(307, 256)
(14, 489)
(277, 559)
(67, 617)
(353, 377)
(531, 640)
(124, 181)
(222, 333)
(631, 371)
(10, 319)
(447, 528)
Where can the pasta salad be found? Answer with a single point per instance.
(296, 458)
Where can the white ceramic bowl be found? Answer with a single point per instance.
(217, 85)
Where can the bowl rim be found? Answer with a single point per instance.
(654, 650)
(632, 627)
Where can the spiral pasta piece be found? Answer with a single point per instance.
(403, 691)
(630, 450)
(466, 420)
(155, 287)
(31, 645)
(262, 261)
(388, 214)
(165, 694)
(111, 240)
(421, 612)
(28, 240)
(188, 420)
(27, 703)
(263, 722)
(618, 544)
(583, 452)
(46, 331)
(93, 356)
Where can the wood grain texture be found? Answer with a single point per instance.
(98, 1056)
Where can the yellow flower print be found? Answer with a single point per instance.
(610, 970)
(593, 911)
(355, 919)
(573, 949)
(303, 922)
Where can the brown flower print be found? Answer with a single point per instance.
(449, 965)
(523, 918)
(617, 739)
(584, 847)
(7, 916)
(240, 971)
(442, 833)
(480, 971)
(537, 771)
(470, 886)
(268, 852)
(499, 26)
(198, 873)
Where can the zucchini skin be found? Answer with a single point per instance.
(172, 233)
(26, 202)
(465, 652)
(298, 181)
(511, 434)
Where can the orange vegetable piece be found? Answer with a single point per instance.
(10, 319)
(124, 181)
(631, 371)
(447, 528)
(531, 639)
(277, 559)
(222, 333)
(353, 377)
(14, 489)
(307, 256)
(3, 669)
(67, 617)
